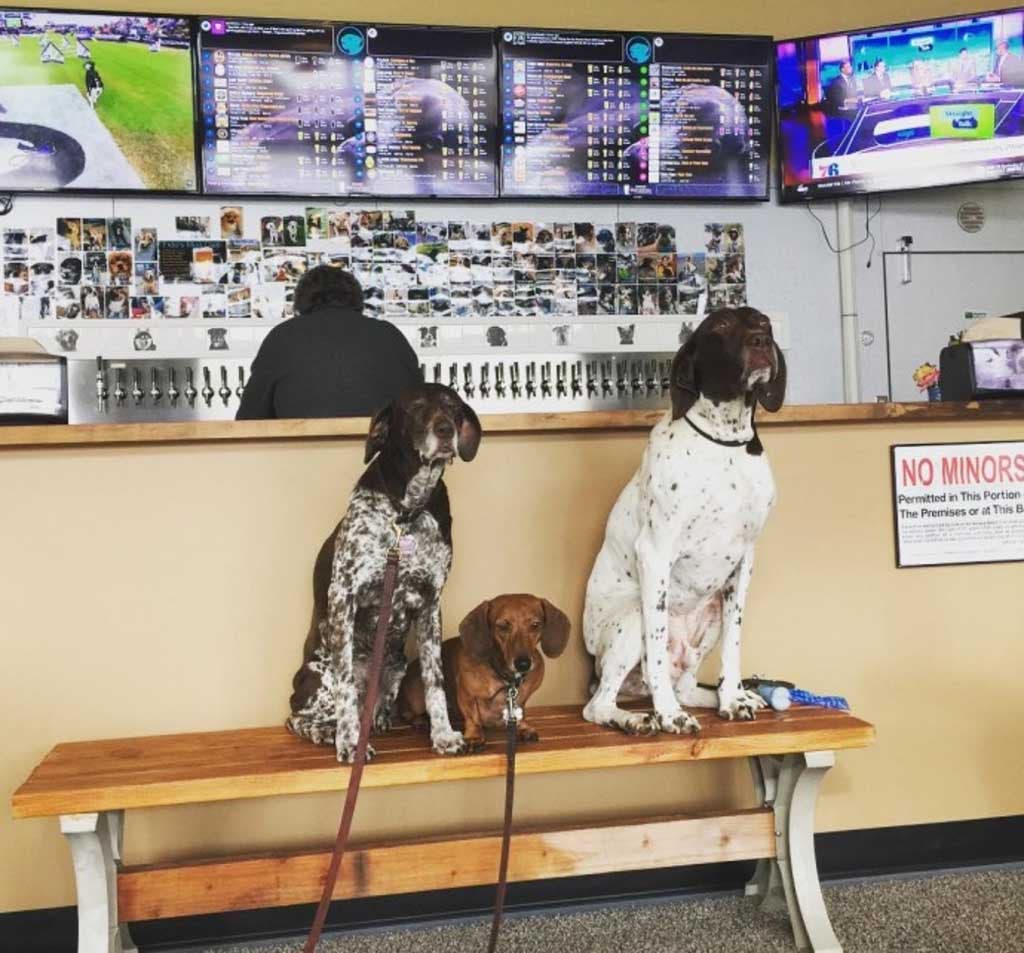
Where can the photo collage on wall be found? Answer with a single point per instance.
(568, 272)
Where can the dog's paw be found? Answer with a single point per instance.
(475, 744)
(638, 723)
(677, 722)
(448, 742)
(743, 706)
(382, 722)
(526, 734)
(347, 754)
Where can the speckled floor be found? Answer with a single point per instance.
(980, 911)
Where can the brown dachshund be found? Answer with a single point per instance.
(502, 637)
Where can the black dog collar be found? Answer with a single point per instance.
(724, 443)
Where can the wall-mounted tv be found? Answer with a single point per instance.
(314, 108)
(644, 114)
(902, 107)
(96, 102)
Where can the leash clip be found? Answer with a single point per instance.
(513, 713)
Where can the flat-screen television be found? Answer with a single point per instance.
(96, 102)
(346, 109)
(634, 114)
(902, 107)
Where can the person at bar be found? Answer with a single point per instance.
(329, 360)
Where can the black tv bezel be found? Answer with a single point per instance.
(368, 195)
(193, 60)
(680, 199)
(787, 194)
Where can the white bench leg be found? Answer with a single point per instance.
(789, 785)
(95, 841)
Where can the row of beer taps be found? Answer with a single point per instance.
(576, 379)
(164, 384)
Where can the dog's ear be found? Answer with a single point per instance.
(771, 393)
(469, 433)
(380, 430)
(683, 388)
(475, 631)
(556, 630)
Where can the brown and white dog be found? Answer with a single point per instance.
(501, 639)
(402, 492)
(671, 579)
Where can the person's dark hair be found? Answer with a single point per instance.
(963, 49)
(327, 286)
(879, 60)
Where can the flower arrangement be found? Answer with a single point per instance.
(927, 379)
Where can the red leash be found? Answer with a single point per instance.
(366, 722)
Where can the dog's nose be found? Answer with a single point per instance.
(523, 664)
(445, 429)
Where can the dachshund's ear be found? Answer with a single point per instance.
(684, 387)
(469, 433)
(772, 392)
(380, 430)
(475, 631)
(556, 630)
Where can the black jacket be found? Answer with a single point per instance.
(328, 363)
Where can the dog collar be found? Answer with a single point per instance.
(724, 443)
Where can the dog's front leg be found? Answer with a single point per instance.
(734, 701)
(654, 565)
(443, 738)
(341, 620)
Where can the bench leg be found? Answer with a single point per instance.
(96, 841)
(789, 785)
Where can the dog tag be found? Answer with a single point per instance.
(407, 545)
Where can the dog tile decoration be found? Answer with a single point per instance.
(96, 269)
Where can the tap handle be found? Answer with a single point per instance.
(172, 386)
(437, 373)
(485, 379)
(207, 390)
(137, 392)
(119, 392)
(154, 386)
(453, 376)
(224, 390)
(190, 387)
(467, 380)
(102, 391)
(240, 389)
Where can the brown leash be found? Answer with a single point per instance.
(513, 715)
(366, 721)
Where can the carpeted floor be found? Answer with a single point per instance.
(969, 912)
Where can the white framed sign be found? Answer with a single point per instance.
(957, 503)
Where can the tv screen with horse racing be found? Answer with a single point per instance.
(96, 102)
(923, 104)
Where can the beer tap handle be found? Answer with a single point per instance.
(172, 387)
(137, 392)
(224, 390)
(207, 390)
(499, 379)
(119, 392)
(665, 369)
(650, 377)
(154, 386)
(453, 376)
(635, 378)
(190, 387)
(531, 379)
(576, 384)
(620, 378)
(437, 373)
(545, 379)
(468, 387)
(513, 373)
(240, 389)
(592, 378)
(485, 380)
(102, 391)
(561, 370)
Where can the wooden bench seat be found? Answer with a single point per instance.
(89, 785)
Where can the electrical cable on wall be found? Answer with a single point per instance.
(869, 217)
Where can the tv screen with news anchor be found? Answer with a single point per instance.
(902, 107)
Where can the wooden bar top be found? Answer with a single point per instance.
(357, 427)
(83, 777)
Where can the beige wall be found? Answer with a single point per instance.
(166, 588)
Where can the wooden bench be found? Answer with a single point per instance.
(90, 785)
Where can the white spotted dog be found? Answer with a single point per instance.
(671, 578)
(410, 443)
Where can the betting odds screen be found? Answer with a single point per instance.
(623, 114)
(900, 107)
(346, 109)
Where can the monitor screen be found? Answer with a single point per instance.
(96, 102)
(303, 108)
(903, 107)
(634, 114)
